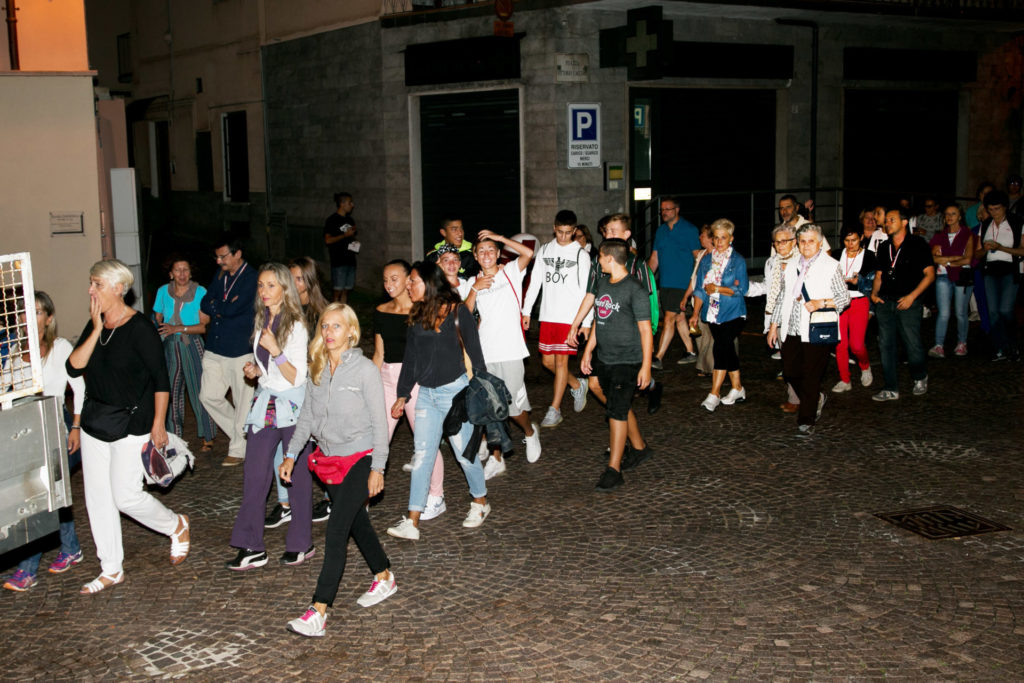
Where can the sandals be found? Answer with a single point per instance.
(207, 447)
(180, 548)
(102, 582)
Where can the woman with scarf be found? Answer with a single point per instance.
(785, 253)
(181, 325)
(718, 301)
(812, 283)
(279, 346)
(952, 251)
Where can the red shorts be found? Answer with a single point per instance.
(552, 339)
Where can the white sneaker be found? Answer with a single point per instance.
(483, 452)
(777, 355)
(435, 508)
(552, 418)
(841, 386)
(379, 591)
(734, 396)
(407, 467)
(533, 444)
(477, 514)
(711, 402)
(405, 529)
(866, 378)
(920, 387)
(579, 396)
(493, 468)
(309, 624)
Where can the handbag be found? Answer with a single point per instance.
(161, 467)
(331, 469)
(104, 421)
(966, 277)
(823, 324)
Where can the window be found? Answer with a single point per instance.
(124, 58)
(204, 161)
(236, 157)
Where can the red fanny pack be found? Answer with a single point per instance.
(331, 469)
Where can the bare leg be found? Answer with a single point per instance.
(633, 432)
(668, 330)
(734, 379)
(717, 380)
(683, 328)
(616, 443)
(595, 390)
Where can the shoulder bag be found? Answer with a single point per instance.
(823, 325)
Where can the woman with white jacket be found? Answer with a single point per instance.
(814, 282)
(279, 345)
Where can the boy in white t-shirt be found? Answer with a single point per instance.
(496, 293)
(561, 271)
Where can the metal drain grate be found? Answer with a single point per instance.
(941, 521)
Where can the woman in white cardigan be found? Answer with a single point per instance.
(814, 283)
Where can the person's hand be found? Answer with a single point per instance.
(710, 288)
(693, 321)
(166, 329)
(526, 322)
(285, 470)
(904, 302)
(810, 306)
(643, 378)
(74, 440)
(398, 408)
(490, 234)
(251, 370)
(574, 331)
(991, 245)
(585, 363)
(375, 484)
(94, 312)
(269, 342)
(158, 435)
(877, 299)
(483, 281)
(773, 336)
(809, 205)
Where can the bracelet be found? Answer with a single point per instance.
(290, 456)
(280, 360)
(378, 470)
(76, 426)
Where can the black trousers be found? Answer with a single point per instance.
(348, 518)
(724, 350)
(803, 366)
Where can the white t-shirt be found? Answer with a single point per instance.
(501, 322)
(55, 375)
(562, 272)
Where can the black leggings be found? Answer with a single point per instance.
(348, 518)
(725, 336)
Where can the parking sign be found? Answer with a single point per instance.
(584, 135)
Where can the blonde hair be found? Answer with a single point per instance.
(113, 272)
(723, 224)
(317, 350)
(50, 331)
(291, 309)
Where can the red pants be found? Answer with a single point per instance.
(853, 324)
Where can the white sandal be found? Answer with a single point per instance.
(102, 582)
(179, 548)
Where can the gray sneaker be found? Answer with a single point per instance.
(886, 395)
(552, 418)
(656, 364)
(579, 396)
(921, 387)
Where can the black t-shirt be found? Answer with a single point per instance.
(902, 268)
(392, 328)
(341, 255)
(618, 307)
(125, 369)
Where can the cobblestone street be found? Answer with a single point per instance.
(738, 552)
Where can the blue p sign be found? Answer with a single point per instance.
(583, 127)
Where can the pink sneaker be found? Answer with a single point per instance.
(20, 581)
(961, 349)
(64, 562)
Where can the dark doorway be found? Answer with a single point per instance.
(236, 157)
(713, 147)
(469, 146)
(898, 142)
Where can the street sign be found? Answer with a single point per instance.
(584, 136)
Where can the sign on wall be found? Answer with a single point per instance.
(584, 136)
(572, 68)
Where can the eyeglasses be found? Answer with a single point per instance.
(791, 239)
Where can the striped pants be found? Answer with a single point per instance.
(184, 355)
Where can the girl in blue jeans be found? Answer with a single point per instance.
(434, 360)
(952, 250)
(53, 351)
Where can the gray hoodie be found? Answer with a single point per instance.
(345, 414)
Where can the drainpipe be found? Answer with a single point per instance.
(12, 35)
(813, 25)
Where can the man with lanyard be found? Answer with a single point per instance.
(1001, 252)
(905, 271)
(454, 234)
(616, 226)
(676, 244)
(229, 303)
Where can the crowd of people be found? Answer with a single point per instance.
(266, 360)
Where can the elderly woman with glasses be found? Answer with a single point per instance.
(718, 300)
(810, 284)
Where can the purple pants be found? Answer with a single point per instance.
(258, 471)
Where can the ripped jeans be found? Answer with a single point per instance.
(432, 406)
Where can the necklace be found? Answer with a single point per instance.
(112, 331)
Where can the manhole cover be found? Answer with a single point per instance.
(941, 521)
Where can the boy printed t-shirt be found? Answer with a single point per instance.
(501, 323)
(618, 307)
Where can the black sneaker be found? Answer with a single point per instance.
(610, 480)
(633, 458)
(247, 559)
(654, 398)
(322, 510)
(278, 516)
(290, 558)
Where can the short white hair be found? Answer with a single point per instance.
(113, 272)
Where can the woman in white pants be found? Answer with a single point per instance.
(127, 390)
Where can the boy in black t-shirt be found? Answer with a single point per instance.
(624, 342)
